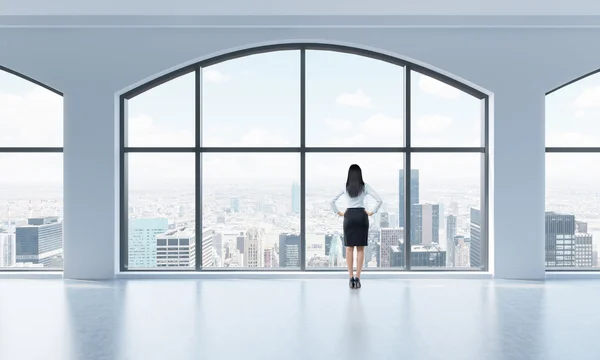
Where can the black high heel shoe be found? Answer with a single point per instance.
(352, 283)
(357, 283)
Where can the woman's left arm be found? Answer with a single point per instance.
(375, 196)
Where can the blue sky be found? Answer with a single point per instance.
(254, 101)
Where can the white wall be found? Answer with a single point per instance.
(91, 65)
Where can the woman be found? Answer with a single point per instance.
(356, 220)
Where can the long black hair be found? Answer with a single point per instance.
(355, 184)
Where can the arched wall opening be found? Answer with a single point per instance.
(250, 146)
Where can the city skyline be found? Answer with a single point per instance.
(344, 108)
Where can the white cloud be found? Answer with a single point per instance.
(436, 87)
(383, 126)
(214, 76)
(589, 98)
(355, 140)
(338, 124)
(262, 137)
(571, 139)
(32, 119)
(433, 123)
(144, 132)
(356, 99)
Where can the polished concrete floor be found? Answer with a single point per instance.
(299, 319)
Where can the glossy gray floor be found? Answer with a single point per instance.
(299, 319)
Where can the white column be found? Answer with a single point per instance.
(518, 152)
(90, 191)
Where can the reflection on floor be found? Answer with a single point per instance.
(299, 319)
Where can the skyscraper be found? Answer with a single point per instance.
(414, 198)
(253, 247)
(8, 251)
(475, 248)
(336, 252)
(581, 227)
(235, 205)
(426, 225)
(142, 241)
(207, 247)
(296, 198)
(389, 238)
(385, 220)
(39, 241)
(176, 248)
(450, 239)
(289, 250)
(583, 250)
(560, 240)
(461, 254)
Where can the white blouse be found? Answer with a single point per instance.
(359, 201)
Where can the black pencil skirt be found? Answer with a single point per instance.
(356, 227)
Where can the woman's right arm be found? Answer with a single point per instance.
(375, 196)
(334, 206)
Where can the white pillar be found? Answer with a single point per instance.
(90, 191)
(518, 151)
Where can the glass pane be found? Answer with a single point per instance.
(252, 101)
(30, 115)
(353, 101)
(251, 210)
(442, 115)
(572, 210)
(572, 114)
(445, 212)
(163, 116)
(31, 211)
(326, 175)
(162, 226)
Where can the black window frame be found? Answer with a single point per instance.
(33, 150)
(567, 150)
(406, 150)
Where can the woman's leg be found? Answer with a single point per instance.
(360, 260)
(350, 260)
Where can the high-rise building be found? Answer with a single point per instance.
(336, 253)
(583, 250)
(142, 241)
(8, 251)
(461, 256)
(253, 247)
(475, 247)
(289, 250)
(176, 248)
(427, 256)
(414, 198)
(240, 242)
(296, 198)
(450, 239)
(373, 249)
(384, 222)
(269, 257)
(207, 247)
(389, 238)
(396, 256)
(581, 227)
(39, 241)
(234, 205)
(393, 220)
(218, 244)
(426, 225)
(560, 240)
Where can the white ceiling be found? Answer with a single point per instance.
(300, 7)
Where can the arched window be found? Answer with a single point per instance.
(573, 175)
(31, 181)
(252, 146)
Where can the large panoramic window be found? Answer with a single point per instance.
(251, 148)
(31, 181)
(572, 173)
